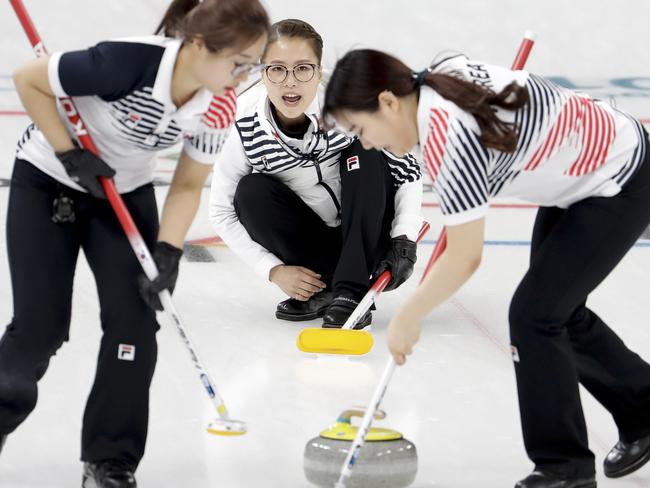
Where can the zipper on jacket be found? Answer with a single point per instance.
(327, 188)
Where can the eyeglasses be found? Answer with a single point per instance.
(246, 69)
(278, 73)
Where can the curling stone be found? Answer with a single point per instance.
(387, 459)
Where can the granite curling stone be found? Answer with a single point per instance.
(387, 459)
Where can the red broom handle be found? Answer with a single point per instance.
(135, 238)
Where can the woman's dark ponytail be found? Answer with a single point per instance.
(220, 24)
(481, 103)
(175, 13)
(361, 75)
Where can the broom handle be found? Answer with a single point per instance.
(359, 440)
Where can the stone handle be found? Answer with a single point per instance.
(346, 415)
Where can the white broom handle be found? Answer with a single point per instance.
(359, 440)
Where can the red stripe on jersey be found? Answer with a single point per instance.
(580, 119)
(221, 112)
(564, 127)
(565, 116)
(599, 131)
(608, 126)
(604, 134)
(213, 119)
(594, 135)
(587, 130)
(434, 146)
(541, 152)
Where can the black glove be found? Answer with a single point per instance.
(399, 260)
(167, 258)
(84, 168)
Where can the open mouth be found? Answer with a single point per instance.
(291, 99)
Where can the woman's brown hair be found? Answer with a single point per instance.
(295, 28)
(361, 75)
(219, 23)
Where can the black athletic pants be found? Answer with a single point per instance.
(277, 219)
(42, 260)
(560, 342)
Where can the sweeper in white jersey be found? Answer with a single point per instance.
(137, 96)
(487, 132)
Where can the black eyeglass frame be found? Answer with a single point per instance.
(315, 67)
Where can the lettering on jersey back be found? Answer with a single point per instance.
(480, 75)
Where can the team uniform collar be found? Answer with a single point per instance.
(429, 98)
(162, 88)
(310, 141)
(424, 106)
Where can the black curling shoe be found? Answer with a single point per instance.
(543, 479)
(108, 474)
(297, 311)
(341, 309)
(627, 457)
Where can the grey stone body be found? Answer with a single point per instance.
(381, 464)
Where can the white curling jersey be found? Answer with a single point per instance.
(570, 146)
(122, 90)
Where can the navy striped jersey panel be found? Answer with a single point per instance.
(405, 169)
(543, 96)
(110, 70)
(27, 135)
(630, 169)
(267, 154)
(138, 115)
(463, 181)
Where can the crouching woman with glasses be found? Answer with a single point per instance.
(311, 210)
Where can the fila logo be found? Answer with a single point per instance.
(126, 352)
(353, 163)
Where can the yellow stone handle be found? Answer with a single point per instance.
(346, 415)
